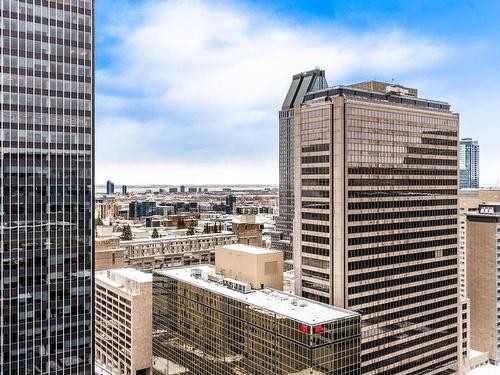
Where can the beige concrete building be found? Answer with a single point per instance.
(483, 275)
(108, 254)
(248, 230)
(106, 211)
(375, 227)
(260, 267)
(469, 199)
(123, 321)
(154, 253)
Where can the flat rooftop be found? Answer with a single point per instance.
(249, 249)
(113, 276)
(275, 301)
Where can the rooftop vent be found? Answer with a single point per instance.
(196, 273)
(237, 285)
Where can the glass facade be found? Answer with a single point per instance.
(199, 331)
(301, 84)
(46, 199)
(469, 164)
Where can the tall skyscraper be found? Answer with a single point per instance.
(483, 257)
(124, 189)
(46, 192)
(110, 187)
(301, 84)
(469, 164)
(375, 225)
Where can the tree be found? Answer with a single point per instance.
(181, 224)
(155, 234)
(126, 234)
(98, 222)
(190, 231)
(220, 227)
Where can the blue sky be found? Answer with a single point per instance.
(188, 91)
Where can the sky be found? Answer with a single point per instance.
(188, 92)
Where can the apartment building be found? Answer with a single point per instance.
(123, 321)
(483, 279)
(375, 227)
(154, 253)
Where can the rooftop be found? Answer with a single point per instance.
(116, 277)
(293, 307)
(249, 249)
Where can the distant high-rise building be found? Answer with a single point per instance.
(301, 84)
(483, 274)
(230, 203)
(183, 189)
(173, 190)
(124, 189)
(205, 323)
(469, 164)
(375, 225)
(46, 188)
(110, 187)
(140, 209)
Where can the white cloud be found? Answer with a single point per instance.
(220, 73)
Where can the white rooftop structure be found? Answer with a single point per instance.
(299, 309)
(125, 279)
(249, 249)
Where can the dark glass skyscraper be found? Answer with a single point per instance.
(46, 192)
(469, 164)
(302, 83)
(110, 187)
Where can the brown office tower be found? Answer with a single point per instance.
(483, 265)
(375, 225)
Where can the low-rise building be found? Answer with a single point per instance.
(204, 323)
(123, 321)
(153, 253)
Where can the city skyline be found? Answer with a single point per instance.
(151, 70)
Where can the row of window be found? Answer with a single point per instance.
(19, 81)
(393, 248)
(406, 280)
(395, 127)
(402, 270)
(400, 204)
(316, 148)
(402, 116)
(401, 236)
(401, 214)
(400, 225)
(402, 171)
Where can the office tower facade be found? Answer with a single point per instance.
(204, 323)
(469, 164)
(123, 321)
(483, 258)
(301, 84)
(46, 192)
(375, 228)
(124, 189)
(110, 187)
